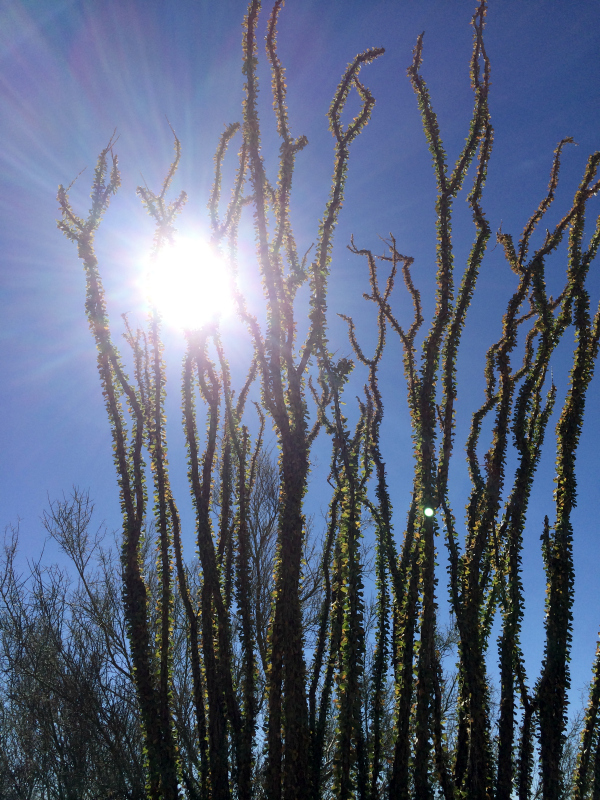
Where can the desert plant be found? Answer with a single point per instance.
(328, 729)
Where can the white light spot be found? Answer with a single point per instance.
(188, 284)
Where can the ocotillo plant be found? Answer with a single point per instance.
(369, 715)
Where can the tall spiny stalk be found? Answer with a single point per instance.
(282, 375)
(153, 689)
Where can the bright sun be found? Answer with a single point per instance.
(187, 283)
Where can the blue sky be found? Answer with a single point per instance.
(71, 72)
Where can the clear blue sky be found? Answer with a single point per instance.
(71, 72)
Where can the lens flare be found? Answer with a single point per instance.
(188, 284)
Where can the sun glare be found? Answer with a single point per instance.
(188, 285)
